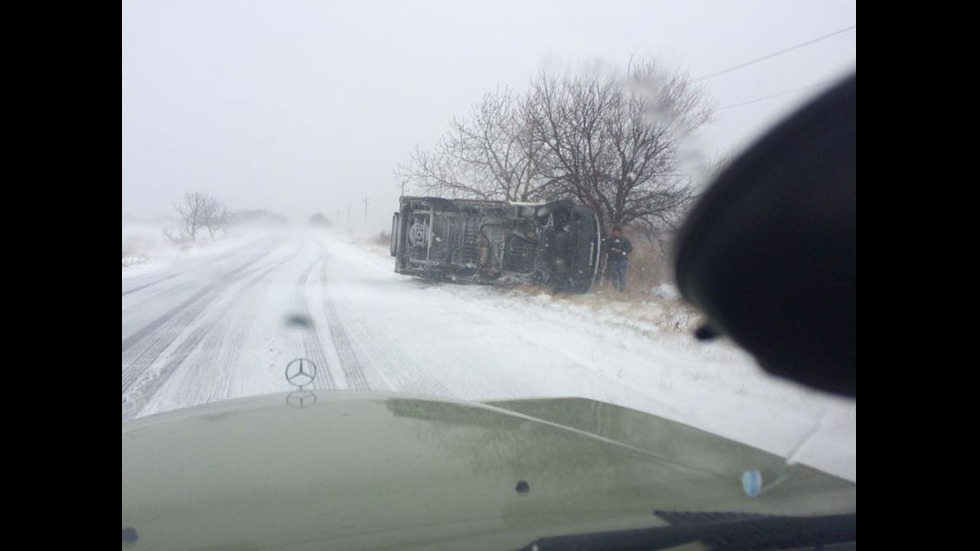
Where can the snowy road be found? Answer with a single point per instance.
(223, 323)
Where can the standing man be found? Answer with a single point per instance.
(617, 249)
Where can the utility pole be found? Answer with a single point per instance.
(365, 209)
(348, 216)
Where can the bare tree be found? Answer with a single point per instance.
(192, 210)
(721, 163)
(491, 155)
(438, 173)
(498, 142)
(215, 215)
(613, 141)
(200, 210)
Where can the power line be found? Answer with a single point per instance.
(783, 93)
(774, 54)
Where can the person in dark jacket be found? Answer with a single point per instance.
(618, 249)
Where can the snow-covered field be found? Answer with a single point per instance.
(222, 323)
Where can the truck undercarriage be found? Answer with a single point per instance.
(555, 244)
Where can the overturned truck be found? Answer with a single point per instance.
(555, 244)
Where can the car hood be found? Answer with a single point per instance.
(350, 470)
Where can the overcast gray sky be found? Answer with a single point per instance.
(302, 106)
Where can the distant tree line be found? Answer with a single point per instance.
(611, 141)
(199, 211)
(319, 219)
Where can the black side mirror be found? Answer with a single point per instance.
(769, 253)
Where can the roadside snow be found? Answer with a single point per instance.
(635, 354)
(146, 248)
(142, 242)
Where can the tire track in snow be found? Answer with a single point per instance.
(349, 364)
(151, 284)
(147, 385)
(393, 366)
(164, 336)
(311, 337)
(143, 390)
(232, 348)
(163, 331)
(220, 350)
(152, 327)
(236, 273)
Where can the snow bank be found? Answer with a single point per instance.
(142, 243)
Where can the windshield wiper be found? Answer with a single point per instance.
(728, 531)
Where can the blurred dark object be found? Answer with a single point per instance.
(769, 253)
(319, 219)
(299, 320)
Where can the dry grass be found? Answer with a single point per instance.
(648, 266)
(639, 305)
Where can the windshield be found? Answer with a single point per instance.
(471, 204)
